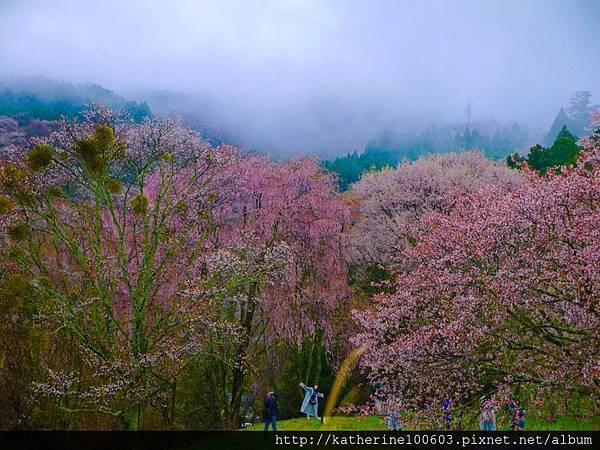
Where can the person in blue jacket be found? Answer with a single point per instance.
(310, 404)
(270, 411)
(517, 412)
(447, 412)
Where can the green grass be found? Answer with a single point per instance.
(565, 423)
(376, 423)
(334, 423)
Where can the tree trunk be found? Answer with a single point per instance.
(234, 419)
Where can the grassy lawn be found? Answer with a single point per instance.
(565, 423)
(375, 423)
(335, 423)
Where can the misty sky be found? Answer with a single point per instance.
(308, 74)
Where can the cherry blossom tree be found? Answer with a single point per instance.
(390, 202)
(501, 292)
(281, 261)
(109, 221)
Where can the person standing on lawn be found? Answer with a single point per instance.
(517, 412)
(394, 423)
(447, 412)
(487, 417)
(310, 405)
(270, 411)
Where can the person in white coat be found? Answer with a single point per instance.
(310, 404)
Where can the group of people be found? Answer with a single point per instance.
(310, 405)
(487, 415)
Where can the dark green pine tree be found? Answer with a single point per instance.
(563, 152)
(537, 158)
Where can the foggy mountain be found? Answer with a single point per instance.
(310, 76)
